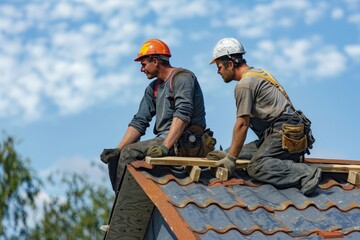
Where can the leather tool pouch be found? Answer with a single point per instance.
(293, 138)
(208, 142)
(307, 130)
(195, 142)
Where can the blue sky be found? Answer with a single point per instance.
(69, 85)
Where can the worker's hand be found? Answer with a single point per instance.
(109, 154)
(229, 162)
(216, 155)
(157, 151)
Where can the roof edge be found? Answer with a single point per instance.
(161, 201)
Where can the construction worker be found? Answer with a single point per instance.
(176, 99)
(284, 134)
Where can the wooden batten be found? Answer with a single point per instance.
(194, 172)
(354, 177)
(204, 162)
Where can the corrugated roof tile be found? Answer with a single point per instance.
(265, 196)
(242, 208)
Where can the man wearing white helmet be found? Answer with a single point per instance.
(263, 106)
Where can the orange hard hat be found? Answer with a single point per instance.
(153, 47)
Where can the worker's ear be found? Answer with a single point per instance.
(231, 64)
(155, 61)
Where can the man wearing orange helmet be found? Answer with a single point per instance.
(263, 106)
(175, 98)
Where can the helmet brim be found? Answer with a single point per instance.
(165, 57)
(213, 61)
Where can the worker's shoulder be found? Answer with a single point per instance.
(252, 73)
(183, 73)
(253, 76)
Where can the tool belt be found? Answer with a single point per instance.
(297, 138)
(195, 142)
(293, 138)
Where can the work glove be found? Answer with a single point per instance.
(157, 151)
(229, 162)
(110, 154)
(216, 155)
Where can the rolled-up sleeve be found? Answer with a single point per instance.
(184, 87)
(141, 120)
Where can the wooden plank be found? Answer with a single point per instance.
(194, 172)
(204, 162)
(354, 177)
(337, 168)
(188, 161)
(222, 173)
(331, 161)
(131, 211)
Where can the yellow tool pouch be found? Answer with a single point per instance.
(293, 138)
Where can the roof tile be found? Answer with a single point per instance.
(243, 208)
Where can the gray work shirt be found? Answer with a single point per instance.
(184, 101)
(262, 101)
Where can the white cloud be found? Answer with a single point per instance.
(308, 59)
(313, 13)
(264, 17)
(353, 51)
(337, 13)
(198, 36)
(66, 56)
(76, 164)
(329, 62)
(355, 19)
(169, 11)
(70, 47)
(60, 61)
(352, 4)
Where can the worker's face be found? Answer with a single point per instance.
(225, 70)
(149, 66)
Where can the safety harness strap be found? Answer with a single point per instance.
(173, 73)
(272, 80)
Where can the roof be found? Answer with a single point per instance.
(241, 208)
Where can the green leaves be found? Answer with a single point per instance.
(76, 214)
(18, 188)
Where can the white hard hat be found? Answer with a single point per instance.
(227, 46)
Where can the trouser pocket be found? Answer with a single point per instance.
(293, 138)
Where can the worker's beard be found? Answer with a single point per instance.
(227, 76)
(150, 75)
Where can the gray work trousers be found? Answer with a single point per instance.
(130, 153)
(270, 163)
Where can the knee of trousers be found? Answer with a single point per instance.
(251, 169)
(126, 155)
(130, 154)
(255, 167)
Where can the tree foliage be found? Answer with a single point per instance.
(76, 214)
(18, 188)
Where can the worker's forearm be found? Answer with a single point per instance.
(238, 138)
(131, 136)
(176, 129)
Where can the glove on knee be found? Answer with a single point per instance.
(109, 154)
(157, 151)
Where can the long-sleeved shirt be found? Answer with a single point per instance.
(184, 100)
